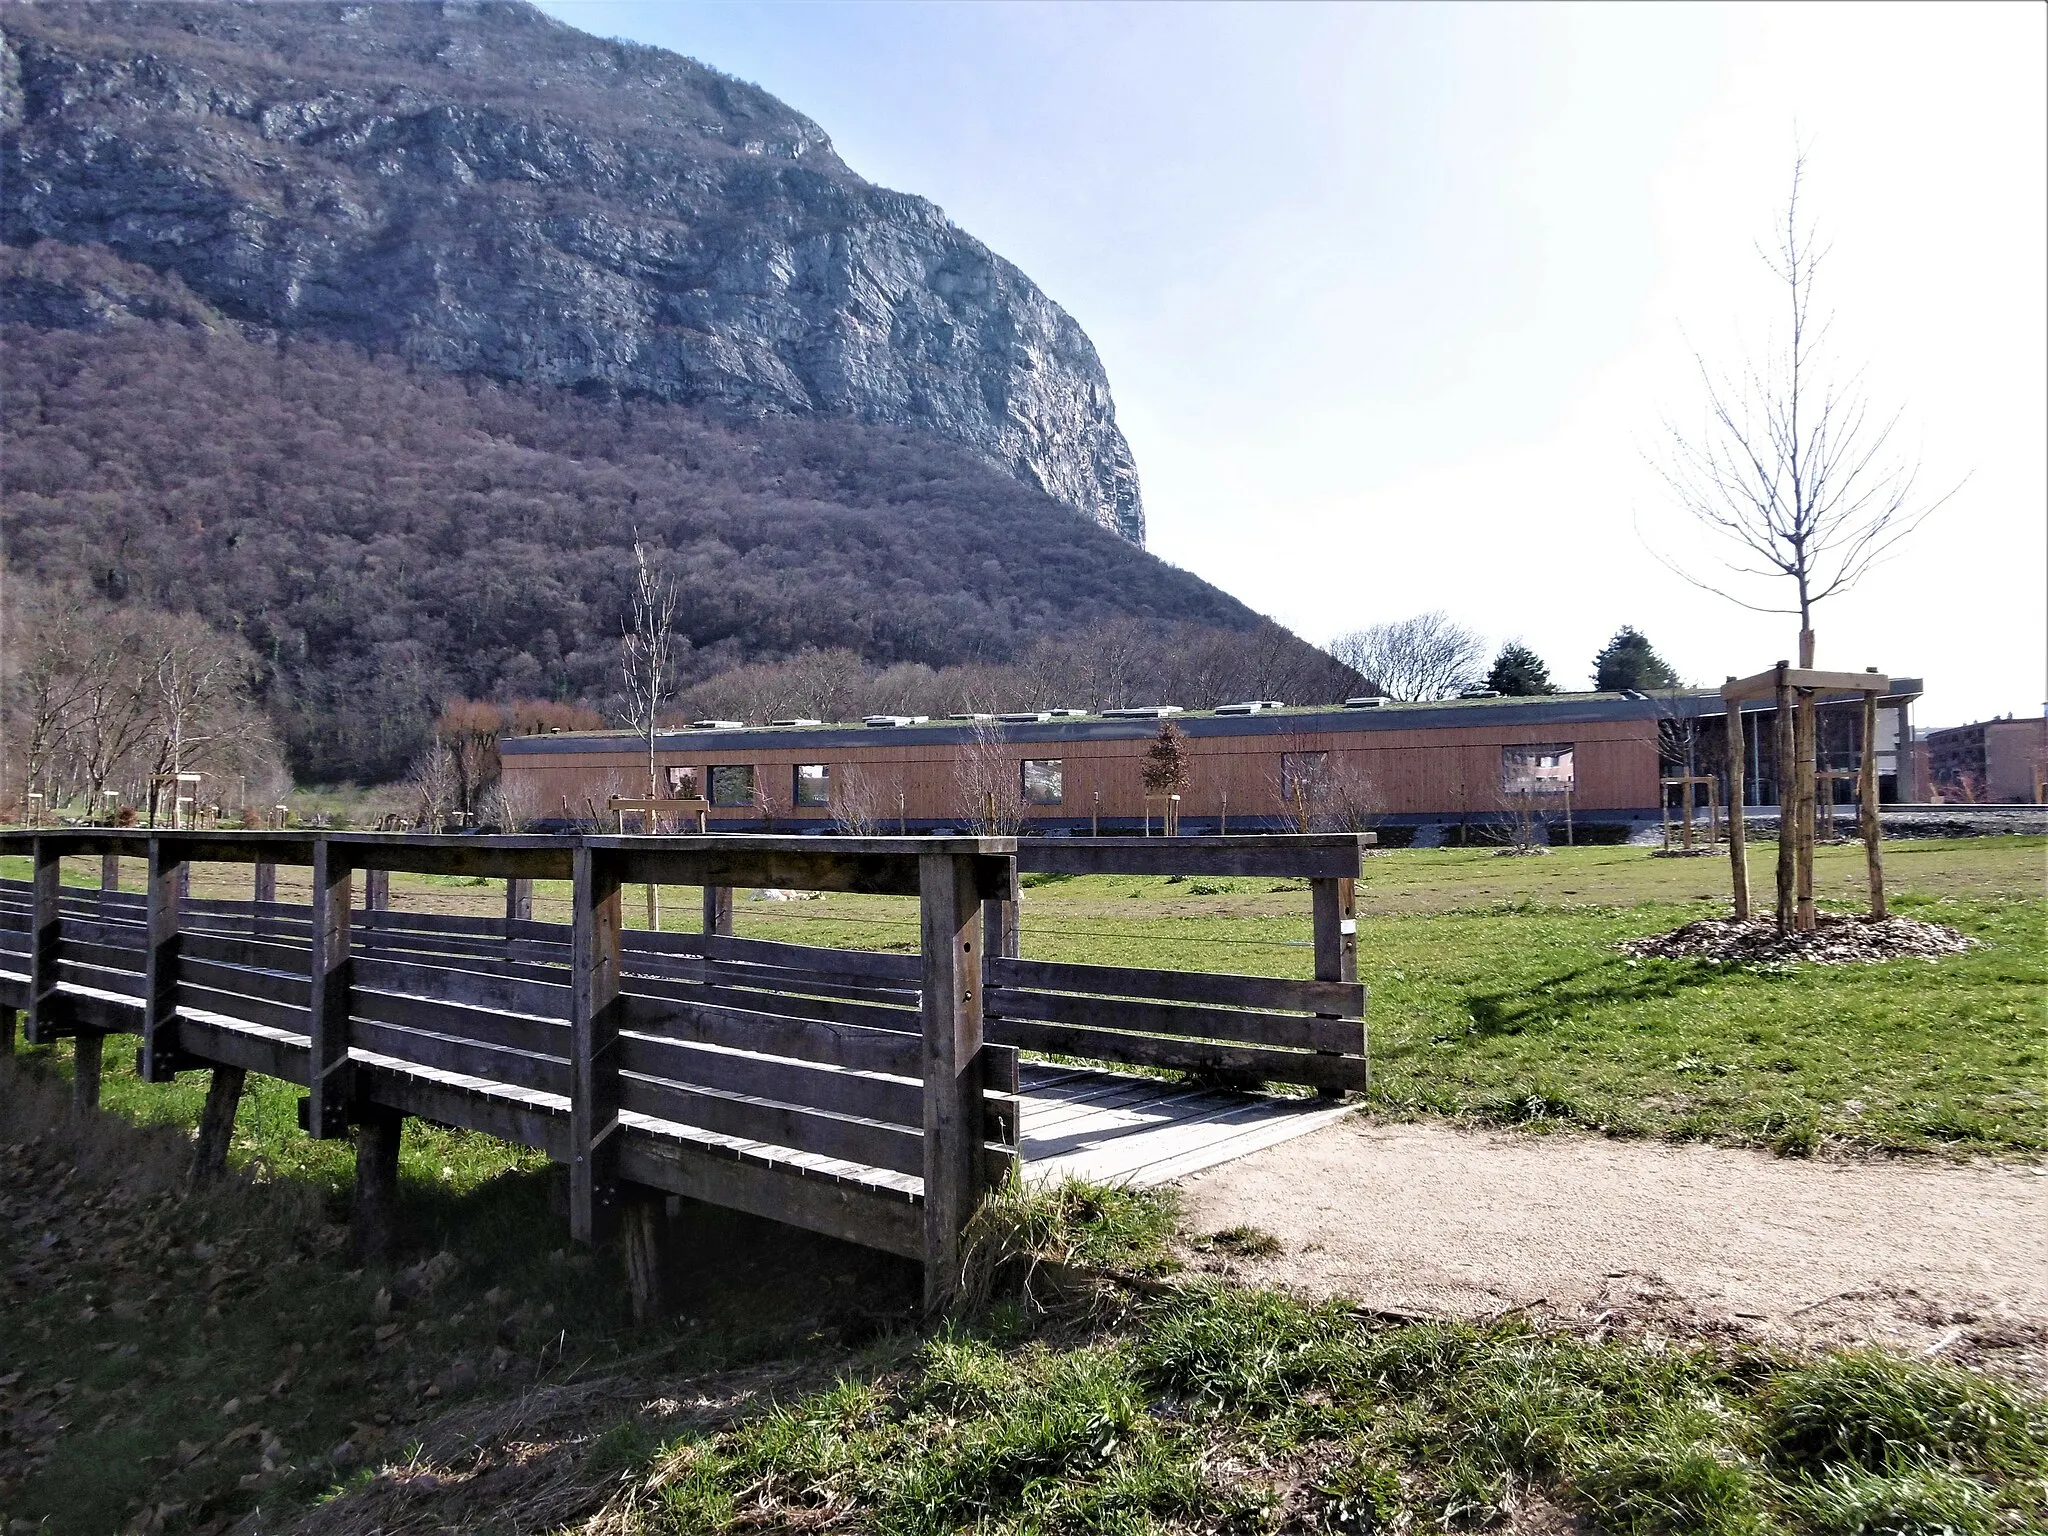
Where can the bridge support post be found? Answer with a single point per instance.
(1336, 939)
(718, 910)
(157, 1061)
(87, 1046)
(373, 1218)
(217, 1124)
(948, 905)
(597, 917)
(44, 1002)
(648, 1239)
(327, 1074)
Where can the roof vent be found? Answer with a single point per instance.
(1142, 712)
(887, 722)
(1478, 693)
(1249, 707)
(796, 722)
(1368, 701)
(973, 719)
(718, 725)
(1028, 717)
(1069, 714)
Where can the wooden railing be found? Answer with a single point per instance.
(865, 1094)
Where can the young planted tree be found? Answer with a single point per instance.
(1519, 672)
(1167, 771)
(1629, 662)
(1796, 477)
(650, 653)
(989, 782)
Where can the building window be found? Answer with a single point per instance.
(1045, 780)
(733, 785)
(1304, 776)
(682, 783)
(811, 786)
(1536, 770)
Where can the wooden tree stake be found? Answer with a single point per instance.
(217, 1124)
(1738, 847)
(1873, 830)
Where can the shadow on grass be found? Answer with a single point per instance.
(1608, 984)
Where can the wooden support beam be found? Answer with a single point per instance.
(1334, 905)
(327, 1076)
(1804, 722)
(1738, 846)
(217, 1124)
(86, 1047)
(999, 918)
(648, 1240)
(377, 890)
(718, 910)
(518, 901)
(597, 918)
(110, 876)
(373, 1218)
(1765, 684)
(1873, 830)
(265, 880)
(158, 1060)
(45, 1004)
(947, 908)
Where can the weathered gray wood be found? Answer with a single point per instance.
(386, 919)
(327, 1090)
(373, 1220)
(245, 980)
(1271, 993)
(869, 964)
(1785, 676)
(447, 1053)
(1788, 801)
(86, 1048)
(1282, 1031)
(159, 1059)
(855, 1047)
(1873, 829)
(225, 949)
(789, 1004)
(239, 1005)
(110, 880)
(217, 1124)
(221, 1044)
(46, 1006)
(999, 917)
(1289, 856)
(717, 911)
(376, 890)
(597, 917)
(512, 1115)
(647, 1242)
(1250, 1064)
(265, 883)
(486, 1026)
(518, 901)
(1334, 905)
(952, 1163)
(476, 988)
(867, 1142)
(112, 957)
(842, 1208)
(893, 1101)
(126, 982)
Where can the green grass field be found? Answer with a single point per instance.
(1497, 992)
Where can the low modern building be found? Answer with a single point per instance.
(1991, 762)
(1253, 767)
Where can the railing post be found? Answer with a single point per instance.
(264, 893)
(999, 920)
(327, 1074)
(110, 880)
(157, 1062)
(518, 901)
(1738, 846)
(947, 903)
(597, 916)
(45, 1006)
(1336, 938)
(718, 910)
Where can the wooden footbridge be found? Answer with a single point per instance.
(869, 1095)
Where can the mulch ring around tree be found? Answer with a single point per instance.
(1836, 940)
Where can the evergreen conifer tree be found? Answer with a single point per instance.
(1166, 761)
(1519, 671)
(1630, 661)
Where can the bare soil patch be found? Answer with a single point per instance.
(1836, 940)
(1940, 1260)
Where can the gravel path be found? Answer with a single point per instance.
(1921, 1256)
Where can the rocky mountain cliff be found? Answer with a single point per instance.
(481, 189)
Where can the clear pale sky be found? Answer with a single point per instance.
(1394, 299)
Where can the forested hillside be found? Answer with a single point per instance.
(386, 538)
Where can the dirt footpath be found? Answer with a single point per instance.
(1924, 1257)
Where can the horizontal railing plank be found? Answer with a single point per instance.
(1249, 1063)
(759, 1026)
(1346, 999)
(511, 1031)
(1287, 856)
(224, 1045)
(447, 1053)
(779, 1125)
(1287, 1031)
(478, 989)
(273, 986)
(268, 1012)
(892, 1100)
(290, 959)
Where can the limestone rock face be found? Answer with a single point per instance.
(482, 189)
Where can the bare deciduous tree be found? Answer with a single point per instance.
(1790, 465)
(651, 652)
(859, 804)
(1426, 657)
(990, 783)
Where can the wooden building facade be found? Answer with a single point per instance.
(1465, 760)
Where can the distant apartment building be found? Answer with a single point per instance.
(1990, 762)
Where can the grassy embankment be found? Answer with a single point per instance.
(1497, 992)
